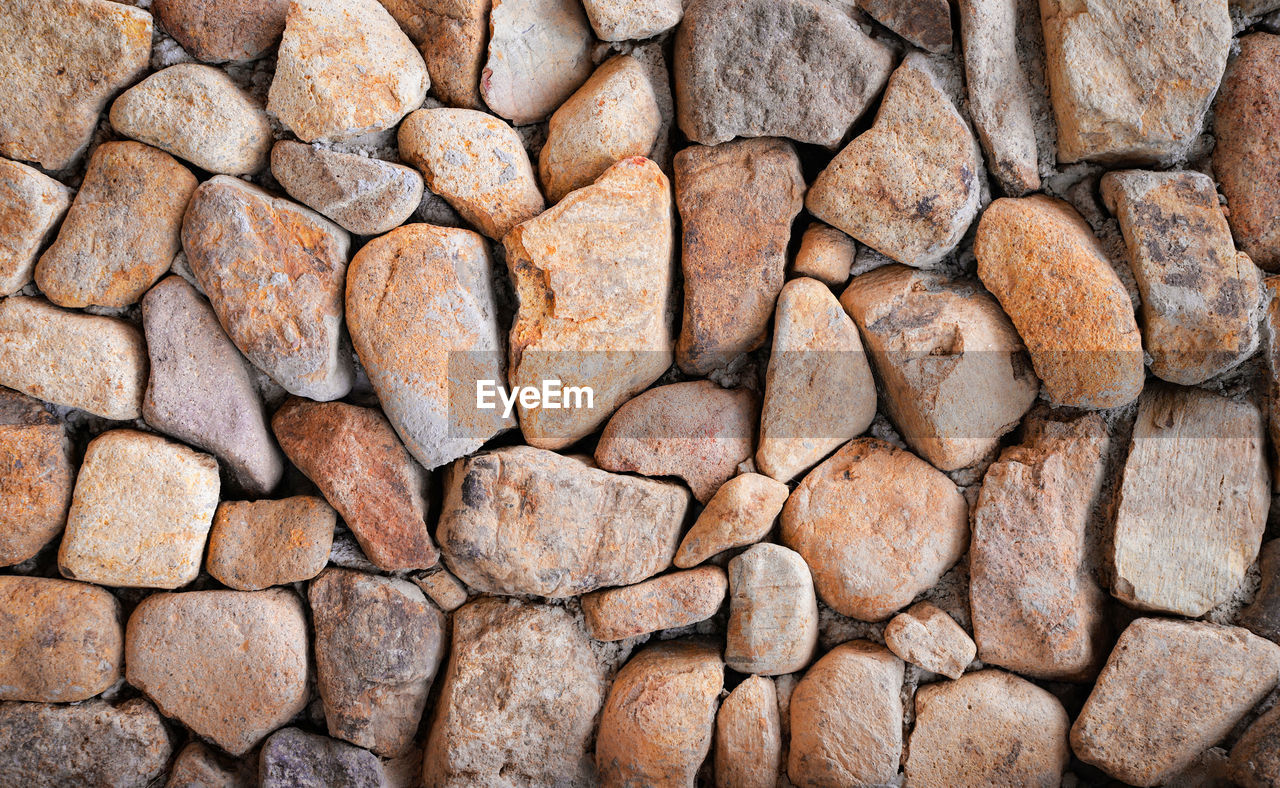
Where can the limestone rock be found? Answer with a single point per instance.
(925, 23)
(199, 765)
(539, 53)
(773, 614)
(788, 68)
(737, 202)
(218, 30)
(451, 36)
(877, 525)
(665, 602)
(366, 196)
(31, 205)
(1262, 616)
(748, 745)
(826, 254)
(443, 588)
(293, 758)
(622, 20)
(36, 476)
(1051, 276)
(925, 635)
(259, 544)
(742, 512)
(1255, 758)
(520, 520)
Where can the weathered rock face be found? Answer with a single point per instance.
(384, 503)
(757, 68)
(259, 544)
(31, 205)
(443, 588)
(925, 23)
(594, 278)
(1193, 505)
(748, 746)
(825, 254)
(659, 719)
(673, 600)
(1255, 758)
(1170, 690)
(200, 765)
(742, 512)
(953, 369)
(846, 718)
(451, 36)
(344, 69)
(274, 272)
(231, 665)
(539, 53)
(366, 196)
(621, 20)
(293, 758)
(988, 728)
(1041, 260)
(1262, 616)
(521, 520)
(925, 635)
(519, 702)
(909, 186)
(58, 77)
(423, 318)
(773, 614)
(36, 477)
(216, 30)
(1200, 297)
(1036, 604)
(877, 525)
(737, 202)
(1133, 81)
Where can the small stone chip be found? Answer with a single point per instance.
(925, 635)
(665, 602)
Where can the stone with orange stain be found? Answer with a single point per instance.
(218, 30)
(773, 613)
(443, 588)
(539, 53)
(665, 602)
(31, 205)
(259, 544)
(741, 512)
(748, 747)
(825, 254)
(451, 35)
(35, 477)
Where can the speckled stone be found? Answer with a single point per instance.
(31, 205)
(366, 196)
(36, 477)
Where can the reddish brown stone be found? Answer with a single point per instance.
(665, 602)
(925, 23)
(259, 544)
(36, 477)
(218, 30)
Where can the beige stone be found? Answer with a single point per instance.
(825, 254)
(925, 635)
(748, 745)
(259, 544)
(31, 205)
(539, 53)
(218, 30)
(443, 588)
(36, 477)
(742, 512)
(451, 35)
(773, 613)
(664, 602)
(622, 20)
(366, 196)
(200, 766)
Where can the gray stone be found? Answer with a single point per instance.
(366, 196)
(293, 758)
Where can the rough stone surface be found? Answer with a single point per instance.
(1262, 616)
(791, 68)
(259, 544)
(31, 205)
(622, 20)
(748, 745)
(737, 202)
(665, 602)
(773, 613)
(140, 513)
(742, 512)
(1170, 690)
(877, 525)
(451, 36)
(200, 766)
(925, 635)
(1080, 331)
(217, 30)
(443, 588)
(825, 254)
(521, 520)
(363, 470)
(36, 476)
(519, 702)
(539, 53)
(1255, 758)
(293, 758)
(275, 273)
(366, 196)
(925, 23)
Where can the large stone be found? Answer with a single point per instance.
(737, 202)
(748, 746)
(1132, 81)
(344, 69)
(274, 272)
(925, 23)
(877, 525)
(385, 502)
(219, 30)
(788, 68)
(259, 544)
(293, 758)
(423, 317)
(1262, 616)
(519, 702)
(366, 196)
(60, 62)
(521, 520)
(1051, 276)
(1255, 758)
(673, 600)
(594, 279)
(539, 53)
(1169, 691)
(825, 254)
(230, 665)
(773, 614)
(622, 20)
(31, 205)
(926, 636)
(451, 35)
(742, 512)
(36, 477)
(140, 513)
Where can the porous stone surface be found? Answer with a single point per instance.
(217, 30)
(825, 254)
(31, 205)
(365, 196)
(925, 23)
(1255, 758)
(665, 602)
(620, 20)
(742, 512)
(539, 53)
(926, 636)
(258, 544)
(36, 477)
(451, 36)
(748, 744)
(773, 613)
(1262, 616)
(293, 758)
(200, 766)
(443, 588)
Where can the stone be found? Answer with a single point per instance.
(910, 186)
(817, 361)
(1200, 297)
(846, 718)
(443, 588)
(741, 513)
(36, 477)
(378, 643)
(1247, 155)
(694, 430)
(365, 196)
(1255, 758)
(520, 520)
(1253, 7)
(519, 700)
(987, 728)
(877, 526)
(623, 20)
(275, 274)
(230, 134)
(1262, 616)
(926, 636)
(200, 766)
(594, 277)
(293, 758)
(97, 364)
(344, 69)
(791, 68)
(748, 745)
(93, 743)
(664, 602)
(1193, 503)
(423, 317)
(230, 665)
(737, 202)
(925, 23)
(613, 116)
(1132, 82)
(451, 36)
(140, 513)
(1080, 331)
(216, 31)
(1271, 357)
(539, 53)
(1033, 593)
(61, 61)
(201, 390)
(659, 719)
(826, 254)
(385, 504)
(259, 544)
(59, 641)
(31, 206)
(773, 614)
(477, 163)
(1170, 690)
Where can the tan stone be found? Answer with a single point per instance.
(443, 588)
(825, 254)
(1255, 758)
(622, 20)
(748, 745)
(742, 512)
(925, 23)
(36, 476)
(665, 602)
(200, 766)
(366, 196)
(451, 35)
(259, 544)
(773, 613)
(925, 635)
(31, 205)
(218, 30)
(1051, 276)
(539, 53)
